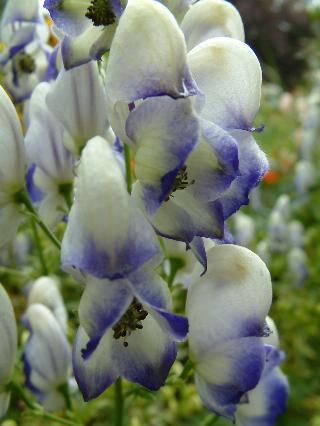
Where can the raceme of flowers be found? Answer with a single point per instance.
(139, 136)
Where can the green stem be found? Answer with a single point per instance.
(39, 248)
(23, 198)
(36, 409)
(14, 272)
(118, 402)
(64, 390)
(127, 157)
(186, 369)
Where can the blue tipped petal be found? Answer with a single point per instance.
(149, 356)
(98, 372)
(253, 165)
(164, 132)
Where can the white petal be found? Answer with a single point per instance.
(47, 352)
(8, 338)
(211, 18)
(228, 73)
(81, 93)
(158, 66)
(106, 235)
(12, 155)
(230, 301)
(45, 290)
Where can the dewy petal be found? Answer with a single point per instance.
(69, 15)
(229, 74)
(159, 66)
(47, 354)
(230, 301)
(21, 11)
(253, 165)
(228, 371)
(98, 372)
(266, 402)
(148, 357)
(164, 132)
(211, 18)
(44, 139)
(91, 44)
(107, 235)
(102, 304)
(8, 338)
(12, 155)
(81, 92)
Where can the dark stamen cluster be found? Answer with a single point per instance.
(101, 13)
(130, 321)
(181, 182)
(25, 63)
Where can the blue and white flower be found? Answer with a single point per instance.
(244, 229)
(12, 168)
(87, 27)
(126, 329)
(298, 265)
(50, 163)
(226, 309)
(8, 339)
(45, 290)
(46, 357)
(305, 176)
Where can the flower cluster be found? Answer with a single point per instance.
(152, 146)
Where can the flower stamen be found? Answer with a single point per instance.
(181, 182)
(25, 63)
(101, 13)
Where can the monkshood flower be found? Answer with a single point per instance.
(226, 309)
(107, 236)
(278, 233)
(211, 18)
(46, 357)
(283, 206)
(178, 7)
(8, 342)
(126, 329)
(263, 251)
(213, 169)
(82, 95)
(87, 27)
(17, 11)
(298, 265)
(268, 400)
(12, 168)
(51, 163)
(45, 290)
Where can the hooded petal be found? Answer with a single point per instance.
(229, 74)
(8, 339)
(230, 301)
(164, 132)
(211, 18)
(158, 67)
(12, 155)
(47, 354)
(81, 92)
(107, 236)
(45, 290)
